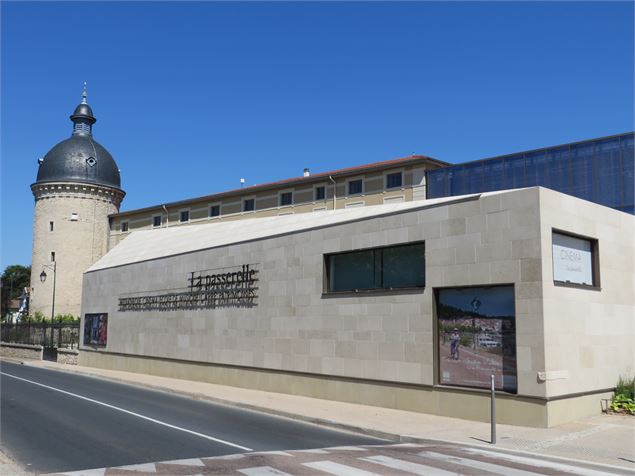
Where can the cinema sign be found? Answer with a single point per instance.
(233, 287)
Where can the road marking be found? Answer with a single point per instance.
(416, 468)
(347, 448)
(472, 463)
(128, 412)
(263, 471)
(86, 472)
(141, 468)
(537, 462)
(185, 462)
(338, 469)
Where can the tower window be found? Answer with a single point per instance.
(51, 225)
(74, 217)
(156, 221)
(52, 256)
(124, 226)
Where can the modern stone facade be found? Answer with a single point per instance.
(380, 348)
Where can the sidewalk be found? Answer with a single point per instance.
(604, 439)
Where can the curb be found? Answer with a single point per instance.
(393, 437)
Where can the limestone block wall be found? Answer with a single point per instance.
(589, 333)
(79, 238)
(494, 239)
(20, 351)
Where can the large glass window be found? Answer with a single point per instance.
(96, 329)
(477, 337)
(390, 267)
(574, 260)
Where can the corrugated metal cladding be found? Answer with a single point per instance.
(597, 170)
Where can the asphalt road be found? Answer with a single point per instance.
(56, 421)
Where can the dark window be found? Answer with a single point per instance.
(156, 221)
(124, 226)
(214, 210)
(249, 205)
(355, 187)
(52, 256)
(390, 267)
(185, 216)
(393, 180)
(51, 226)
(286, 198)
(320, 193)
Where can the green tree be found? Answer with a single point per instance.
(14, 279)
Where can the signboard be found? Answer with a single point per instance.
(572, 259)
(207, 289)
(477, 337)
(95, 329)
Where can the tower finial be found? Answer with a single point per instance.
(84, 94)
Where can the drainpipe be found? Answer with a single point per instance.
(167, 217)
(334, 192)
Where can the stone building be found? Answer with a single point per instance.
(408, 305)
(78, 186)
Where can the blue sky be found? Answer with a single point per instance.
(190, 97)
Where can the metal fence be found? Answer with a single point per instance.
(42, 333)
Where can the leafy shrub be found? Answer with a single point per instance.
(624, 393)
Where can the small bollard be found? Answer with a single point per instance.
(493, 414)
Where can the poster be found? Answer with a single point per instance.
(477, 337)
(95, 329)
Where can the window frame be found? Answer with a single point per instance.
(397, 187)
(51, 226)
(189, 215)
(595, 262)
(209, 210)
(124, 224)
(348, 187)
(154, 217)
(244, 200)
(284, 192)
(326, 292)
(315, 189)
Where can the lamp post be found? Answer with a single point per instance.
(42, 279)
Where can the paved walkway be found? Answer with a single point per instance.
(604, 439)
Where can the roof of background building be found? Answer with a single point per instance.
(146, 245)
(348, 171)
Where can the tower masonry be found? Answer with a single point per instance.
(78, 185)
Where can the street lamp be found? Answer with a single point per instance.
(42, 279)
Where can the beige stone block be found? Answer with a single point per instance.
(391, 351)
(498, 220)
(505, 271)
(453, 226)
(440, 257)
(493, 252)
(367, 350)
(455, 275)
(345, 349)
(478, 273)
(529, 248)
(530, 269)
(476, 224)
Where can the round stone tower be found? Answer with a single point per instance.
(78, 185)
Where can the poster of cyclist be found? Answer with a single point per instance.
(477, 337)
(95, 329)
